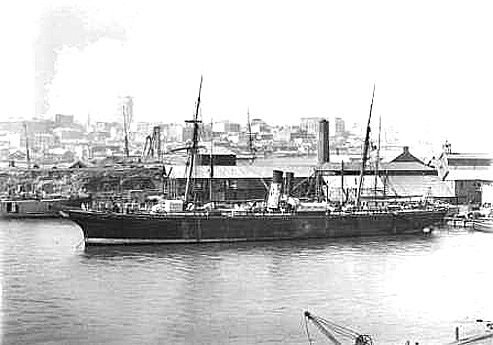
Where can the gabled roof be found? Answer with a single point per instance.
(78, 165)
(17, 155)
(406, 156)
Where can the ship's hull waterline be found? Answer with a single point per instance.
(115, 228)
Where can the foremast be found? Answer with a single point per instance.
(250, 138)
(28, 155)
(192, 152)
(365, 153)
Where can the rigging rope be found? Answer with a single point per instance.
(328, 327)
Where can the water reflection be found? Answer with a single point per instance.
(396, 288)
(298, 247)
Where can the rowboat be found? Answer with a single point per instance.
(483, 225)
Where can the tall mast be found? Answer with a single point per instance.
(211, 162)
(193, 149)
(28, 157)
(365, 152)
(250, 138)
(125, 131)
(378, 153)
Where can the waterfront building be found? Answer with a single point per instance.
(403, 176)
(470, 175)
(236, 183)
(220, 157)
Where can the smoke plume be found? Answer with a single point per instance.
(60, 28)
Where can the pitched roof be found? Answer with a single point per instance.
(406, 156)
(78, 165)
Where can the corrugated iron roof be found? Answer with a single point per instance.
(470, 155)
(470, 174)
(397, 185)
(420, 185)
(239, 171)
(392, 166)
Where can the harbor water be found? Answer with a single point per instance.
(416, 288)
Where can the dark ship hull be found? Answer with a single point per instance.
(188, 227)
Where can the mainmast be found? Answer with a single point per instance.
(377, 162)
(211, 162)
(365, 152)
(28, 157)
(250, 137)
(194, 148)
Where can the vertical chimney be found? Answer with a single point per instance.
(323, 142)
(157, 138)
(275, 190)
(288, 183)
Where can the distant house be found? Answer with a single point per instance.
(17, 156)
(78, 165)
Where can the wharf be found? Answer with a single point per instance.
(458, 222)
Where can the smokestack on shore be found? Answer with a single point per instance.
(323, 142)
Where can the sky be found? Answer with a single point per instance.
(431, 62)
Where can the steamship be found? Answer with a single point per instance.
(280, 217)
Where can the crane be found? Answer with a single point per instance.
(152, 146)
(330, 329)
